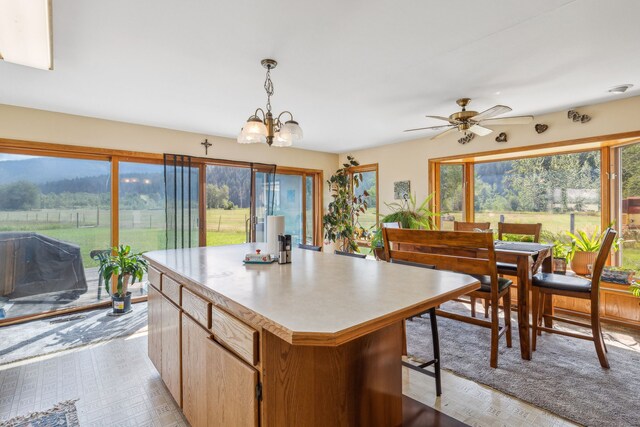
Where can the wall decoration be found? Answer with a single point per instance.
(577, 117)
(401, 190)
(502, 137)
(467, 138)
(206, 144)
(541, 127)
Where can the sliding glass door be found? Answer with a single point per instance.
(228, 199)
(54, 213)
(451, 195)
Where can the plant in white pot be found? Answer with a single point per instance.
(584, 250)
(124, 267)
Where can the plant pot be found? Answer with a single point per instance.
(624, 277)
(581, 261)
(559, 265)
(121, 305)
(379, 253)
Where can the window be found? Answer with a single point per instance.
(53, 213)
(367, 221)
(627, 206)
(451, 195)
(561, 191)
(578, 186)
(228, 190)
(60, 205)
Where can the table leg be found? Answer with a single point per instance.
(547, 267)
(524, 280)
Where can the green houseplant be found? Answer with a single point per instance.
(409, 215)
(124, 267)
(560, 255)
(584, 250)
(340, 221)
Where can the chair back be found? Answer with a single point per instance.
(462, 252)
(391, 225)
(601, 259)
(470, 226)
(520, 229)
(310, 247)
(351, 254)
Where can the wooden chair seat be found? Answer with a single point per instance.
(506, 267)
(485, 282)
(562, 282)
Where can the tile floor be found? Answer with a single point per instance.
(90, 374)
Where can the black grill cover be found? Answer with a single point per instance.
(32, 264)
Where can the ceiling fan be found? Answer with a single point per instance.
(472, 121)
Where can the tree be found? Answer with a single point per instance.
(20, 195)
(218, 197)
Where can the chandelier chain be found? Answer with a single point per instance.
(268, 87)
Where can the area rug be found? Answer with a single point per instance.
(45, 336)
(563, 377)
(63, 414)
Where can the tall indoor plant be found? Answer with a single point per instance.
(409, 215)
(345, 207)
(124, 267)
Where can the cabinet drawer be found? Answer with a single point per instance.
(154, 277)
(236, 335)
(196, 307)
(171, 289)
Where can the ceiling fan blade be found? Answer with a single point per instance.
(491, 112)
(480, 130)
(430, 127)
(517, 120)
(446, 132)
(446, 119)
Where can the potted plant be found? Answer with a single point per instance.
(560, 254)
(124, 267)
(635, 289)
(408, 215)
(620, 275)
(584, 250)
(340, 221)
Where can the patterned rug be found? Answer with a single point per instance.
(563, 377)
(61, 415)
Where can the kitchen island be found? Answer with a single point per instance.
(317, 342)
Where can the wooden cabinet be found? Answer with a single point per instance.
(154, 309)
(171, 348)
(232, 386)
(239, 337)
(194, 368)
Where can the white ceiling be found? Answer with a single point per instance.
(355, 73)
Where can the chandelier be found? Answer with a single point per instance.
(261, 127)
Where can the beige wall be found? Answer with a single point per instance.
(44, 126)
(409, 160)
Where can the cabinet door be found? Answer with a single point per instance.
(194, 368)
(232, 389)
(171, 349)
(154, 310)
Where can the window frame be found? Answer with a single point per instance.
(606, 145)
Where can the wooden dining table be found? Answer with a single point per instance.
(528, 257)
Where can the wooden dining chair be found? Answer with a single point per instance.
(351, 254)
(310, 247)
(474, 226)
(576, 287)
(471, 226)
(462, 252)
